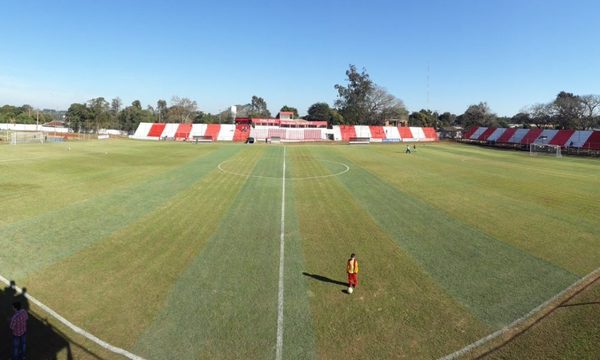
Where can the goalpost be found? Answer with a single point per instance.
(552, 150)
(26, 137)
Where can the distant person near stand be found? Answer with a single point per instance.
(18, 326)
(407, 149)
(352, 270)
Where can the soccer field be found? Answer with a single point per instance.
(173, 250)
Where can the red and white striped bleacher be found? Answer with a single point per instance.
(198, 130)
(156, 131)
(226, 132)
(362, 131)
(183, 131)
(584, 139)
(169, 131)
(240, 132)
(405, 134)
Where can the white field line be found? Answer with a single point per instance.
(346, 169)
(75, 328)
(490, 337)
(279, 348)
(25, 159)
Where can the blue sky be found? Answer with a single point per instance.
(508, 53)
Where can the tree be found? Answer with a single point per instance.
(364, 102)
(290, 109)
(478, 115)
(318, 111)
(207, 118)
(115, 107)
(183, 110)
(353, 99)
(539, 114)
(161, 110)
(446, 119)
(79, 117)
(335, 118)
(591, 110)
(569, 110)
(100, 112)
(423, 118)
(383, 106)
(258, 108)
(322, 112)
(132, 116)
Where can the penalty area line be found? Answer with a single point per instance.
(76, 329)
(279, 347)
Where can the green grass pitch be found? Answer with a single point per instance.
(171, 250)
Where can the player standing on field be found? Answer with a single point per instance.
(352, 270)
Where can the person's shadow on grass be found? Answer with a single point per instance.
(325, 279)
(44, 341)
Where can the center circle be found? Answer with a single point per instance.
(345, 169)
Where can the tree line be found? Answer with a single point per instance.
(26, 114)
(360, 101)
(566, 111)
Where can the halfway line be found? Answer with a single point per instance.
(279, 349)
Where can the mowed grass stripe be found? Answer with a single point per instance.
(299, 336)
(225, 304)
(118, 286)
(397, 311)
(58, 177)
(504, 195)
(494, 280)
(72, 228)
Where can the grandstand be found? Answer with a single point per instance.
(240, 132)
(287, 130)
(573, 141)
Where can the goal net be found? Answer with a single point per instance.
(26, 137)
(545, 149)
